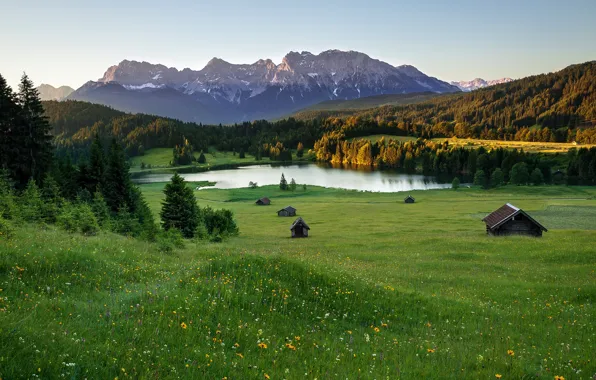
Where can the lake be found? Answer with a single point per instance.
(316, 175)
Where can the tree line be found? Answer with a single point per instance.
(446, 162)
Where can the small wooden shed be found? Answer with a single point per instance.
(409, 199)
(263, 202)
(299, 228)
(287, 211)
(511, 220)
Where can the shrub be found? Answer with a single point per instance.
(87, 221)
(168, 240)
(219, 222)
(497, 178)
(31, 205)
(455, 183)
(253, 185)
(6, 230)
(67, 219)
(519, 174)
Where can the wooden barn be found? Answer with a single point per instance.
(510, 220)
(299, 228)
(409, 199)
(287, 211)
(263, 202)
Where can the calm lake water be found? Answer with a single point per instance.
(380, 181)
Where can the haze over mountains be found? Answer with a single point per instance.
(49, 92)
(223, 92)
(479, 83)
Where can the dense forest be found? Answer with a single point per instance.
(556, 107)
(96, 192)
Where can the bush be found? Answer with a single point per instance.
(6, 230)
(253, 185)
(31, 205)
(455, 183)
(168, 240)
(219, 222)
(87, 220)
(78, 218)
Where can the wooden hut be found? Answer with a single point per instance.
(510, 220)
(409, 199)
(287, 211)
(263, 202)
(299, 228)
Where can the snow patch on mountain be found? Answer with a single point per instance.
(479, 83)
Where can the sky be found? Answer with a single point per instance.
(68, 42)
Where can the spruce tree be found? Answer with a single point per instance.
(52, 201)
(179, 209)
(283, 184)
(96, 169)
(117, 180)
(36, 136)
(100, 209)
(293, 185)
(9, 134)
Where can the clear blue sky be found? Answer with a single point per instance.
(67, 42)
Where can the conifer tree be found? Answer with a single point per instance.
(300, 150)
(293, 185)
(202, 158)
(96, 169)
(52, 201)
(117, 180)
(36, 147)
(100, 209)
(455, 183)
(9, 142)
(179, 209)
(283, 184)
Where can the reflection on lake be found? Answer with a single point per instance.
(381, 181)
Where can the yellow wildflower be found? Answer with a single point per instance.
(510, 353)
(498, 375)
(183, 325)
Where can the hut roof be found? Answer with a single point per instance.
(289, 209)
(505, 213)
(264, 200)
(299, 221)
(409, 197)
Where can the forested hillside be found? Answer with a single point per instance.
(558, 107)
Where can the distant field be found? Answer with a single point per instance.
(375, 138)
(161, 158)
(535, 147)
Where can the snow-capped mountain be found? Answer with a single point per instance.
(479, 83)
(226, 92)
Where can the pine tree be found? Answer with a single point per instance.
(283, 184)
(202, 158)
(117, 180)
(179, 209)
(52, 201)
(7, 201)
(36, 146)
(241, 154)
(96, 169)
(293, 185)
(31, 204)
(100, 209)
(9, 133)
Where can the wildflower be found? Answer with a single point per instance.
(297, 338)
(431, 350)
(498, 375)
(428, 324)
(350, 332)
(262, 345)
(183, 325)
(510, 353)
(267, 376)
(240, 355)
(291, 346)
(559, 378)
(377, 329)
(236, 345)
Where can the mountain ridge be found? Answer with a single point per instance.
(49, 92)
(240, 92)
(477, 83)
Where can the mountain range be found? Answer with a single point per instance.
(49, 92)
(479, 83)
(223, 92)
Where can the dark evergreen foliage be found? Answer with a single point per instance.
(179, 209)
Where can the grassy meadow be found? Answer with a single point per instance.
(380, 289)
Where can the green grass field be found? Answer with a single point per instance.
(380, 289)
